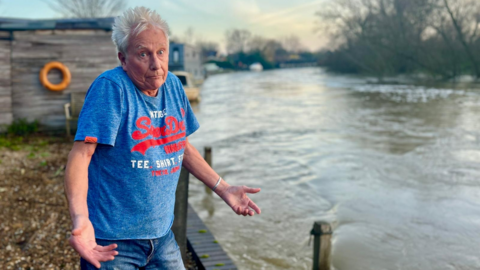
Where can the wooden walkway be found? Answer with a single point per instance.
(205, 249)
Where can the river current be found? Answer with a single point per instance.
(394, 168)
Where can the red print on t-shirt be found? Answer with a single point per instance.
(171, 131)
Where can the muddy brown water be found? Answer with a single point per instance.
(394, 168)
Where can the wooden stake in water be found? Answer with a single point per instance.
(208, 155)
(322, 232)
(208, 158)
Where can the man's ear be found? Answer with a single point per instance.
(123, 60)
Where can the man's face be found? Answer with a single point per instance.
(146, 62)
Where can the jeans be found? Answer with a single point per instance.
(161, 253)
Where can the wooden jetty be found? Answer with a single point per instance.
(206, 250)
(192, 234)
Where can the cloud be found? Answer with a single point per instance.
(232, 9)
(270, 18)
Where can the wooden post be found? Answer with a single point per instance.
(208, 158)
(179, 226)
(321, 245)
(208, 155)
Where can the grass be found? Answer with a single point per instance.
(12, 143)
(35, 143)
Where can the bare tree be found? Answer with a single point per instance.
(437, 37)
(189, 36)
(237, 40)
(462, 31)
(292, 43)
(258, 43)
(270, 50)
(87, 8)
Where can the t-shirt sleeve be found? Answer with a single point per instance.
(191, 123)
(101, 113)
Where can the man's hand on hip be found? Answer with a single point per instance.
(83, 241)
(236, 197)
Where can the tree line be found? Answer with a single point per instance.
(439, 38)
(243, 49)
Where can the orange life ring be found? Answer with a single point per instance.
(65, 73)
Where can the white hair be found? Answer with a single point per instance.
(132, 22)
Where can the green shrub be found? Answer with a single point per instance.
(22, 127)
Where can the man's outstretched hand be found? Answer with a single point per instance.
(83, 241)
(236, 197)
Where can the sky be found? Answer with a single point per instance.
(211, 18)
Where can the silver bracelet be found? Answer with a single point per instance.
(216, 185)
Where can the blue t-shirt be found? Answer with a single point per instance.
(134, 171)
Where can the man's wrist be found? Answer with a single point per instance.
(218, 183)
(78, 210)
(222, 186)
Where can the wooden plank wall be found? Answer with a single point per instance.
(6, 115)
(87, 53)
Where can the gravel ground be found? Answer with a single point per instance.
(34, 219)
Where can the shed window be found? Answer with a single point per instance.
(175, 55)
(183, 79)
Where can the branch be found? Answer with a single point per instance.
(462, 40)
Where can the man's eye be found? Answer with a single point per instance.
(143, 54)
(161, 52)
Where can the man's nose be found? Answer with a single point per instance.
(155, 63)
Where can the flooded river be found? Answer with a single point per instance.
(394, 168)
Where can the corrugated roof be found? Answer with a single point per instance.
(11, 24)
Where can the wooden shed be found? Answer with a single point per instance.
(84, 46)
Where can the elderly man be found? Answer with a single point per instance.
(131, 141)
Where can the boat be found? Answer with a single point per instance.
(256, 67)
(193, 92)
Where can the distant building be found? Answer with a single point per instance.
(184, 57)
(210, 55)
